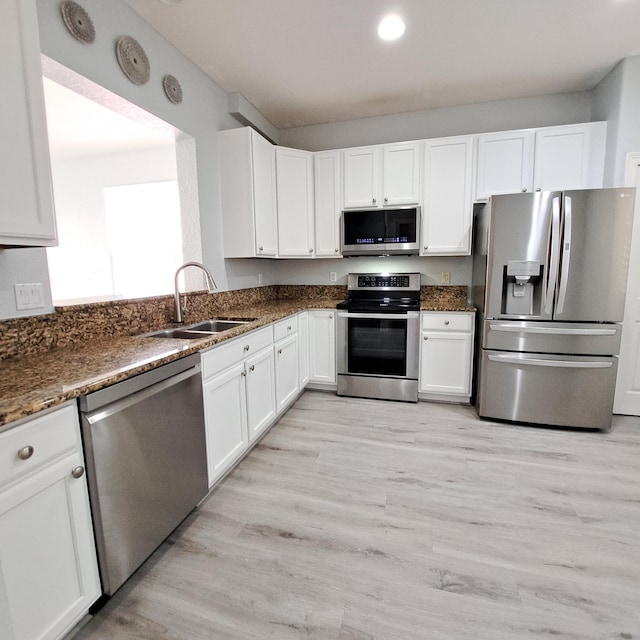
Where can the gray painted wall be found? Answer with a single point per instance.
(617, 99)
(502, 115)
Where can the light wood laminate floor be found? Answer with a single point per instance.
(369, 520)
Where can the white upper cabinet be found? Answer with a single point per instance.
(294, 187)
(381, 176)
(549, 158)
(570, 157)
(447, 196)
(362, 178)
(505, 163)
(328, 201)
(248, 193)
(26, 199)
(401, 174)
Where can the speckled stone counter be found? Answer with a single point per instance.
(444, 298)
(47, 360)
(37, 381)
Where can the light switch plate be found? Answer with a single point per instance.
(29, 296)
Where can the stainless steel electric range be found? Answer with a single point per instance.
(377, 336)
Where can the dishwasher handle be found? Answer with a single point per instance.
(147, 392)
(115, 392)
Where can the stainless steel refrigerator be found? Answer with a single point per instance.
(549, 280)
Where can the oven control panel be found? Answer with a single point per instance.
(387, 281)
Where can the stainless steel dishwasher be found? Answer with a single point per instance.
(146, 462)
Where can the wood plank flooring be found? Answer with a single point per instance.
(369, 520)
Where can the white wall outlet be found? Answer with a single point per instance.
(259, 278)
(445, 277)
(332, 276)
(29, 296)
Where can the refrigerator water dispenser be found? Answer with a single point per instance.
(521, 288)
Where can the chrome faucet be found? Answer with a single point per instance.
(211, 285)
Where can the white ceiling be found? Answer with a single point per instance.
(303, 62)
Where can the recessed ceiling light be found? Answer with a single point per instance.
(391, 27)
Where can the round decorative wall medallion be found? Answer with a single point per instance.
(77, 21)
(133, 60)
(172, 88)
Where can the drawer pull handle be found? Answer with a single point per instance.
(78, 472)
(279, 351)
(446, 322)
(289, 328)
(246, 347)
(425, 338)
(25, 453)
(252, 367)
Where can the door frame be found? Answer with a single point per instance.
(627, 397)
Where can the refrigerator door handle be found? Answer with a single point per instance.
(538, 362)
(554, 260)
(552, 330)
(566, 254)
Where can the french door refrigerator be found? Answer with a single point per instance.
(549, 280)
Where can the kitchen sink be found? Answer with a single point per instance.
(198, 330)
(216, 326)
(178, 333)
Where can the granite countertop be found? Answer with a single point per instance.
(38, 381)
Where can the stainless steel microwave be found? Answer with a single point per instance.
(380, 231)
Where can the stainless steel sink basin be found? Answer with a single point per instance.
(216, 326)
(178, 333)
(198, 330)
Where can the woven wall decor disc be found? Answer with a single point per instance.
(77, 21)
(172, 88)
(133, 60)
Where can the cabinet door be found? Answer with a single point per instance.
(225, 413)
(328, 201)
(322, 347)
(261, 392)
(362, 177)
(264, 195)
(505, 163)
(286, 366)
(294, 180)
(401, 174)
(445, 363)
(303, 348)
(570, 157)
(447, 202)
(48, 566)
(26, 200)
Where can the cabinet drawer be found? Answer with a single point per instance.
(447, 321)
(38, 441)
(285, 327)
(224, 355)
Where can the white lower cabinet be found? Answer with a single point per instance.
(322, 347)
(446, 356)
(261, 392)
(239, 397)
(285, 334)
(48, 568)
(303, 349)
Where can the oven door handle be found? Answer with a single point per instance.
(380, 316)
